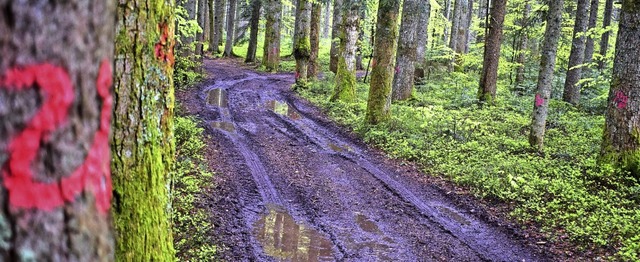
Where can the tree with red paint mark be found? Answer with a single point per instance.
(55, 109)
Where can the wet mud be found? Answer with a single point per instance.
(294, 187)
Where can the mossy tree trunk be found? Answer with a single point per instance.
(379, 101)
(336, 31)
(142, 143)
(571, 92)
(407, 50)
(302, 47)
(314, 38)
(231, 19)
(545, 77)
(345, 85)
(621, 142)
(423, 26)
(55, 106)
(604, 41)
(493, 41)
(219, 25)
(256, 5)
(271, 49)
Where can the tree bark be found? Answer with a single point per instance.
(545, 77)
(55, 106)
(621, 143)
(576, 57)
(327, 19)
(191, 6)
(314, 38)
(219, 25)
(407, 48)
(447, 16)
(345, 86)
(334, 53)
(593, 20)
(271, 50)
(524, 42)
(493, 41)
(302, 47)
(231, 19)
(459, 29)
(422, 37)
(211, 22)
(483, 13)
(256, 5)
(202, 7)
(379, 101)
(604, 41)
(207, 25)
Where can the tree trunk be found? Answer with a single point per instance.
(422, 35)
(55, 82)
(571, 89)
(211, 22)
(271, 50)
(201, 22)
(604, 41)
(468, 23)
(334, 53)
(314, 38)
(379, 101)
(593, 20)
(483, 16)
(459, 29)
(345, 86)
(447, 16)
(207, 25)
(621, 144)
(302, 47)
(489, 78)
(327, 20)
(231, 19)
(142, 142)
(524, 42)
(219, 25)
(545, 77)
(406, 54)
(191, 6)
(256, 5)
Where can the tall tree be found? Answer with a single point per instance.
(407, 49)
(231, 19)
(621, 144)
(327, 19)
(590, 45)
(302, 47)
(345, 82)
(336, 28)
(379, 101)
(211, 22)
(142, 141)
(256, 5)
(483, 16)
(545, 77)
(55, 81)
(447, 16)
(314, 38)
(218, 24)
(459, 29)
(191, 6)
(422, 35)
(576, 57)
(604, 41)
(524, 42)
(201, 18)
(493, 40)
(271, 49)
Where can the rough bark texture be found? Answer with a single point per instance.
(422, 35)
(256, 5)
(207, 25)
(55, 104)
(459, 29)
(211, 23)
(447, 16)
(302, 47)
(524, 42)
(201, 18)
(231, 19)
(219, 25)
(271, 50)
(545, 77)
(593, 20)
(334, 53)
(493, 41)
(142, 142)
(326, 27)
(345, 86)
(571, 92)
(314, 38)
(604, 41)
(379, 101)
(406, 55)
(621, 142)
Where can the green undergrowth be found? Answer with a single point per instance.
(485, 149)
(191, 182)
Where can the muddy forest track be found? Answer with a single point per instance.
(293, 188)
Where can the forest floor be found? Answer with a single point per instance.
(291, 185)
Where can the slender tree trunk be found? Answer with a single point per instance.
(316, 15)
(621, 144)
(256, 5)
(545, 77)
(593, 20)
(271, 51)
(422, 37)
(191, 6)
(334, 53)
(327, 20)
(379, 101)
(207, 25)
(483, 10)
(219, 25)
(447, 16)
(345, 86)
(55, 88)
(493, 41)
(460, 27)
(211, 22)
(571, 89)
(524, 42)
(231, 18)
(302, 47)
(604, 41)
(468, 23)
(361, 41)
(406, 54)
(201, 22)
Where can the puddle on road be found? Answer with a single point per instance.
(367, 225)
(218, 97)
(283, 108)
(284, 239)
(339, 149)
(226, 126)
(452, 214)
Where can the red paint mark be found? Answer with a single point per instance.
(397, 69)
(163, 49)
(539, 100)
(621, 100)
(373, 63)
(297, 75)
(94, 175)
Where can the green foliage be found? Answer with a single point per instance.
(185, 72)
(192, 181)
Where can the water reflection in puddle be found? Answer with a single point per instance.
(226, 126)
(453, 215)
(218, 97)
(284, 239)
(282, 108)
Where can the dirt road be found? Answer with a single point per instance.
(291, 186)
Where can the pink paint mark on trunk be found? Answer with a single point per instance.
(397, 69)
(297, 75)
(539, 100)
(621, 100)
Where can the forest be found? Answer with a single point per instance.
(320, 130)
